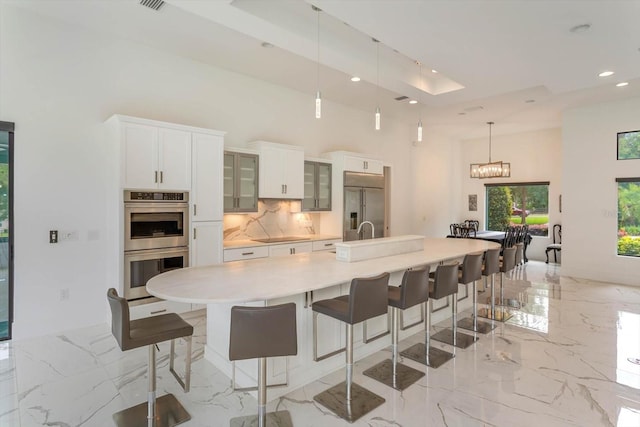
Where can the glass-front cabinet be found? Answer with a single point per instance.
(317, 186)
(240, 182)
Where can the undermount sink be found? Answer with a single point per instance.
(281, 239)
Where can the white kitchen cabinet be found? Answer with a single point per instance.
(206, 243)
(237, 254)
(156, 157)
(325, 245)
(281, 174)
(206, 193)
(363, 164)
(290, 249)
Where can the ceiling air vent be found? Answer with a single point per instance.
(153, 4)
(401, 98)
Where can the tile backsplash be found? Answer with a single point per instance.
(273, 219)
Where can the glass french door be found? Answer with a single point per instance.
(6, 229)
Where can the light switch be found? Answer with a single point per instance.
(53, 236)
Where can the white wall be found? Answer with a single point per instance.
(590, 198)
(534, 157)
(59, 83)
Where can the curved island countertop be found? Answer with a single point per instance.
(270, 278)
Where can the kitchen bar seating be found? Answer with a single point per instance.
(367, 299)
(470, 272)
(445, 284)
(414, 290)
(445, 277)
(165, 411)
(258, 333)
(490, 267)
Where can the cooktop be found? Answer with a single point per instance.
(281, 239)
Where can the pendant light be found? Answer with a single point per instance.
(491, 169)
(420, 111)
(377, 42)
(318, 97)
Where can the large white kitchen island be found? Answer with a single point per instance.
(301, 279)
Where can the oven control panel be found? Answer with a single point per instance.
(155, 196)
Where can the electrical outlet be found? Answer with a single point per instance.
(64, 294)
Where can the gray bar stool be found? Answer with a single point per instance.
(424, 353)
(258, 333)
(414, 290)
(367, 299)
(470, 271)
(164, 411)
(489, 269)
(507, 263)
(445, 284)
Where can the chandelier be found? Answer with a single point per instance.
(491, 169)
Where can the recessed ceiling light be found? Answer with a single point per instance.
(355, 79)
(434, 71)
(413, 101)
(266, 45)
(606, 74)
(462, 113)
(530, 101)
(580, 28)
(622, 84)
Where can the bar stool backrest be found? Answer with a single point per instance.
(491, 262)
(368, 297)
(471, 268)
(263, 332)
(445, 281)
(508, 259)
(257, 332)
(415, 287)
(120, 319)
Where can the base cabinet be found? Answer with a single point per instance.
(206, 243)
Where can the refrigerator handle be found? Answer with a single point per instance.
(364, 205)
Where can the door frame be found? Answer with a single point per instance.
(10, 128)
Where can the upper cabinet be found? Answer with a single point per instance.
(207, 177)
(156, 157)
(240, 182)
(317, 186)
(281, 174)
(362, 164)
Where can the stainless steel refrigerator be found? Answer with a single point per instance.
(363, 201)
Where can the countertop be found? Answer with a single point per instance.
(252, 243)
(269, 278)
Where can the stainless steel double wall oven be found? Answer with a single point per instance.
(156, 237)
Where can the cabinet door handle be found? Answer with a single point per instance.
(161, 180)
(156, 178)
(195, 209)
(194, 234)
(158, 311)
(247, 253)
(328, 244)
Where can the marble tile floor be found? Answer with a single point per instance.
(561, 360)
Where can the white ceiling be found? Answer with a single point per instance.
(489, 53)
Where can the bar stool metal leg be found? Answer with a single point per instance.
(452, 336)
(423, 352)
(349, 400)
(471, 323)
(391, 372)
(164, 411)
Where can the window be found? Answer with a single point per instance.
(628, 216)
(513, 204)
(629, 145)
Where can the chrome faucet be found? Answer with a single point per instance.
(373, 228)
